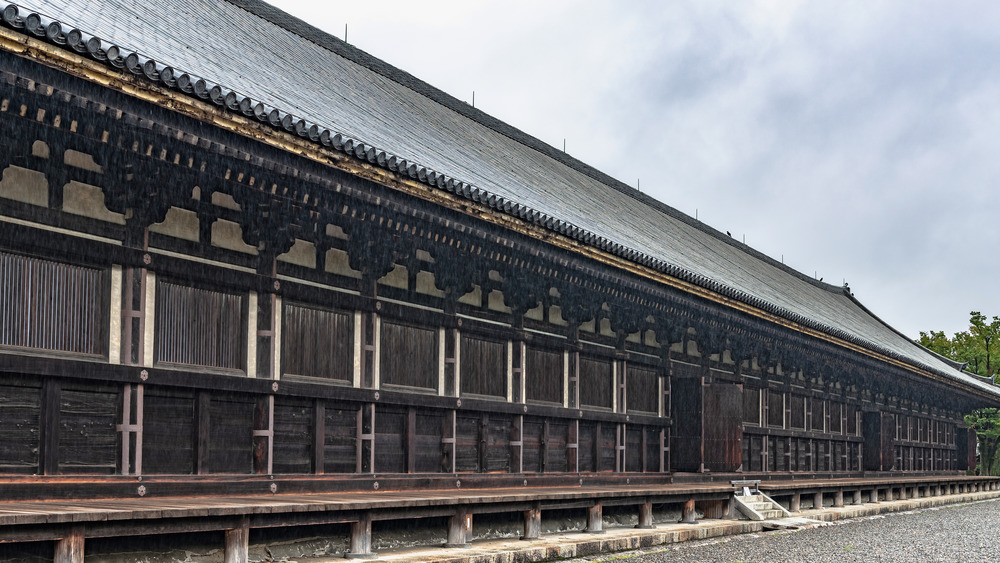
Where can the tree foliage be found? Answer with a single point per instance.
(978, 348)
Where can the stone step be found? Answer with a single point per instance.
(793, 523)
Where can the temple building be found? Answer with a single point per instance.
(241, 259)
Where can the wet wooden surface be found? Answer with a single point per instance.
(869, 482)
(49, 512)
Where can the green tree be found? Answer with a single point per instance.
(979, 347)
(937, 342)
(985, 337)
(986, 423)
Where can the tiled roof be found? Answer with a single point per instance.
(252, 58)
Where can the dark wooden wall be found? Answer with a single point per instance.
(606, 371)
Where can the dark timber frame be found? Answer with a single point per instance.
(436, 345)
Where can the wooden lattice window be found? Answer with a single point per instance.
(797, 412)
(200, 327)
(818, 422)
(318, 343)
(52, 306)
(751, 405)
(852, 421)
(836, 416)
(642, 390)
(596, 384)
(484, 367)
(543, 376)
(775, 409)
(409, 356)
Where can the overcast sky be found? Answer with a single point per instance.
(858, 141)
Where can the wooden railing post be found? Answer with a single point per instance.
(646, 516)
(459, 527)
(69, 549)
(532, 523)
(595, 519)
(688, 515)
(361, 538)
(238, 543)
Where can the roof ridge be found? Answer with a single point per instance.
(356, 55)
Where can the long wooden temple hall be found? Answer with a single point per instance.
(253, 278)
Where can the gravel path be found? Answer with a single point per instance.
(965, 532)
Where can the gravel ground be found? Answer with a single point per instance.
(956, 533)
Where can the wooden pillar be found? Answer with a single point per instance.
(517, 353)
(902, 493)
(448, 433)
(873, 495)
(369, 377)
(573, 368)
(459, 527)
(203, 403)
(818, 500)
(795, 505)
(133, 318)
(916, 492)
(263, 435)
(595, 519)
(410, 443)
(573, 447)
(361, 538)
(366, 439)
(517, 445)
(857, 496)
(131, 426)
(838, 498)
(48, 451)
(688, 515)
(646, 516)
(452, 383)
(888, 493)
(238, 543)
(319, 437)
(69, 549)
(532, 523)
